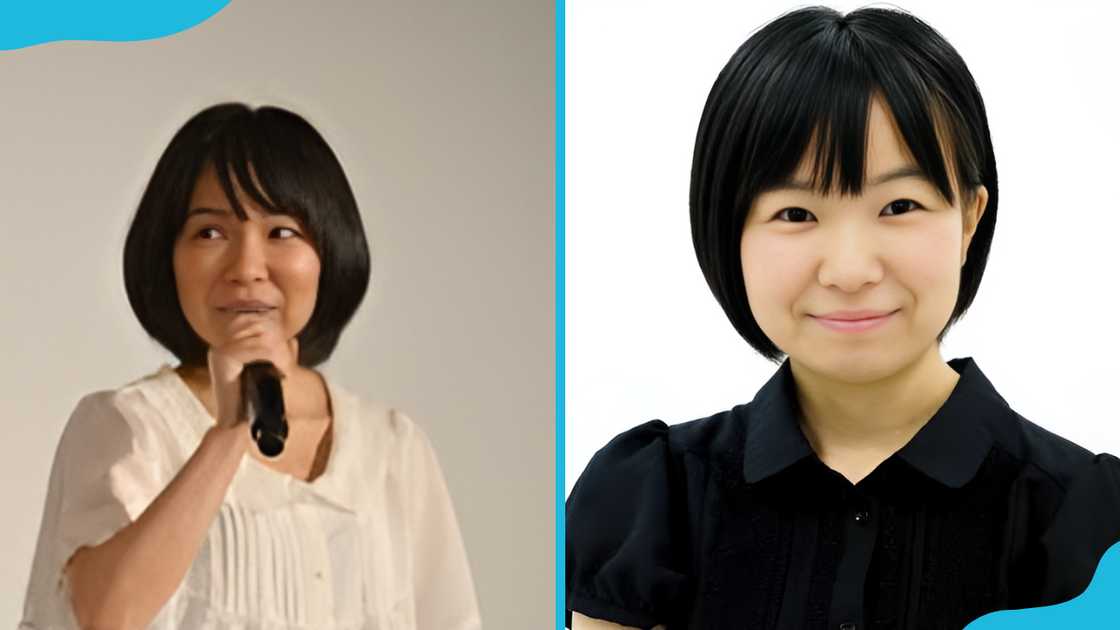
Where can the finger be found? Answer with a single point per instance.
(258, 348)
(248, 319)
(249, 331)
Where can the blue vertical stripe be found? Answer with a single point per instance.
(559, 192)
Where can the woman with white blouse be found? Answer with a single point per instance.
(161, 512)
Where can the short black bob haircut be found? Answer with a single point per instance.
(299, 176)
(812, 73)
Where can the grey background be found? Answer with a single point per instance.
(442, 115)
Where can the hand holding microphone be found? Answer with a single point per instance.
(246, 374)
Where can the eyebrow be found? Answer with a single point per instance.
(902, 172)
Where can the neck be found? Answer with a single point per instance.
(877, 416)
(194, 374)
(305, 392)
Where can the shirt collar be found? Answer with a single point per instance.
(950, 447)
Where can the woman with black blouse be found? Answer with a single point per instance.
(843, 202)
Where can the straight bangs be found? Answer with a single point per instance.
(821, 100)
(259, 154)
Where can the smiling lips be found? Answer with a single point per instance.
(854, 321)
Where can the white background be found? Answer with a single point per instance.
(646, 339)
(442, 116)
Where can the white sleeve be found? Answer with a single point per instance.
(443, 589)
(106, 470)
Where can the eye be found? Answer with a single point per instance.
(901, 205)
(797, 215)
(203, 233)
(801, 215)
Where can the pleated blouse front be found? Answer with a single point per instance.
(372, 543)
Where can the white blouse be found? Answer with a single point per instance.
(372, 543)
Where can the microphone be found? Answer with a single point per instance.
(262, 400)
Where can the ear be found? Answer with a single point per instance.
(970, 218)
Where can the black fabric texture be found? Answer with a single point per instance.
(732, 521)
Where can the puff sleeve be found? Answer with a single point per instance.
(624, 563)
(106, 470)
(1086, 524)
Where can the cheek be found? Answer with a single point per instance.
(188, 272)
(770, 273)
(931, 259)
(302, 272)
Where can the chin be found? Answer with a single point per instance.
(852, 365)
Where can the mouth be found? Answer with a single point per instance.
(854, 325)
(246, 311)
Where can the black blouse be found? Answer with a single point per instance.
(732, 521)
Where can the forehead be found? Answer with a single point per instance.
(208, 194)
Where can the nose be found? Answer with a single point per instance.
(850, 260)
(248, 260)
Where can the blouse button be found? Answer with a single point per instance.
(319, 574)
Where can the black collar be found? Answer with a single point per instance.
(950, 447)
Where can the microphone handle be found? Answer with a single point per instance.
(262, 400)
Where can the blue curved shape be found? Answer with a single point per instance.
(26, 23)
(1097, 607)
